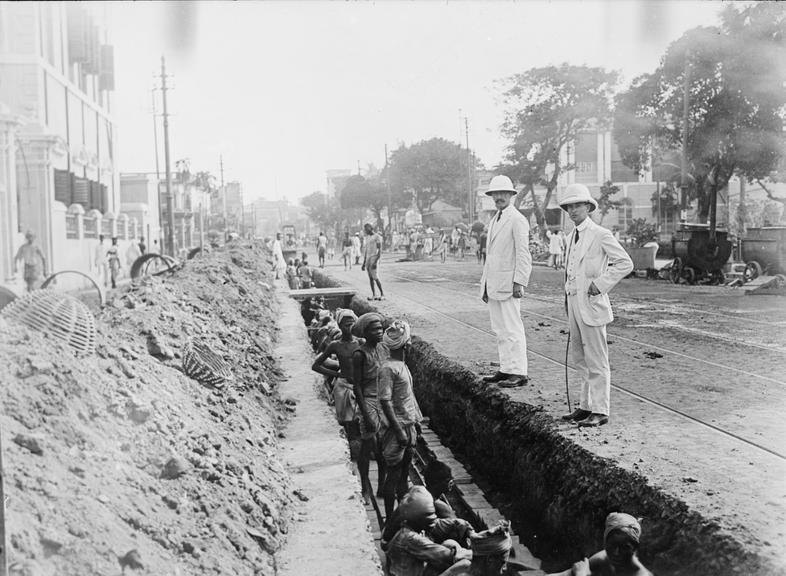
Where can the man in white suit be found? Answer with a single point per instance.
(595, 263)
(505, 274)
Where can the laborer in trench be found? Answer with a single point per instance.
(343, 393)
(595, 264)
(304, 273)
(490, 551)
(367, 361)
(444, 528)
(33, 259)
(439, 481)
(402, 414)
(372, 252)
(292, 279)
(619, 555)
(411, 552)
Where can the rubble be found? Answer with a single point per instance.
(119, 461)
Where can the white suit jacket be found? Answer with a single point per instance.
(507, 255)
(600, 259)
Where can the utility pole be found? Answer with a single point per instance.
(684, 159)
(223, 194)
(158, 169)
(387, 185)
(469, 173)
(169, 200)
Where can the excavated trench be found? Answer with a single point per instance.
(556, 493)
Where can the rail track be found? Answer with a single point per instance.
(623, 389)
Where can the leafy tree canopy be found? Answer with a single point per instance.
(737, 102)
(430, 170)
(322, 209)
(546, 109)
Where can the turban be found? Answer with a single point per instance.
(397, 335)
(491, 542)
(342, 313)
(625, 523)
(359, 329)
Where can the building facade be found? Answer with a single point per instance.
(56, 104)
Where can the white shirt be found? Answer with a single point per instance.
(570, 271)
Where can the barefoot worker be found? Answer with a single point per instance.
(366, 363)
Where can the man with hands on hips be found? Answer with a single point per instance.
(595, 263)
(505, 274)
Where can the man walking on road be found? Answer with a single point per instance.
(322, 243)
(595, 263)
(372, 252)
(33, 260)
(505, 274)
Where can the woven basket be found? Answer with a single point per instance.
(204, 365)
(58, 315)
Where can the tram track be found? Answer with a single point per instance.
(617, 335)
(622, 389)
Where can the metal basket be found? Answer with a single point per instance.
(58, 315)
(204, 365)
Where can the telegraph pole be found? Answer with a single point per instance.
(158, 168)
(684, 159)
(223, 194)
(469, 173)
(169, 200)
(387, 185)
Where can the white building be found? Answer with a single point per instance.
(58, 141)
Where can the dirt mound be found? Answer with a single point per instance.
(120, 461)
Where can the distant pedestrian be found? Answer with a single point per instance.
(346, 251)
(132, 253)
(595, 263)
(482, 241)
(505, 275)
(356, 247)
(402, 414)
(372, 252)
(555, 249)
(279, 264)
(100, 263)
(367, 361)
(113, 262)
(33, 260)
(142, 245)
(322, 242)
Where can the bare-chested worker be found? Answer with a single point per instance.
(343, 394)
(366, 363)
(34, 260)
(619, 554)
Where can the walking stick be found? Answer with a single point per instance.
(3, 538)
(567, 388)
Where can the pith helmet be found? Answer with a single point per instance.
(575, 193)
(501, 183)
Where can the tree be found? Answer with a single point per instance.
(358, 192)
(429, 170)
(547, 109)
(605, 202)
(736, 102)
(322, 209)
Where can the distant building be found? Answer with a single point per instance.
(56, 102)
(269, 217)
(139, 199)
(336, 179)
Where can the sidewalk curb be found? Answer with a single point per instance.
(330, 534)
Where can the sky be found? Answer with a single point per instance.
(284, 91)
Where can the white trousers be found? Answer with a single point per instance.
(590, 352)
(511, 339)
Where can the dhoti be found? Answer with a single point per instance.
(511, 340)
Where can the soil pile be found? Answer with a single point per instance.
(120, 462)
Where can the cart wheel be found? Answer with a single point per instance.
(675, 273)
(689, 274)
(752, 271)
(780, 281)
(717, 278)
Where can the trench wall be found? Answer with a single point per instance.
(559, 490)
